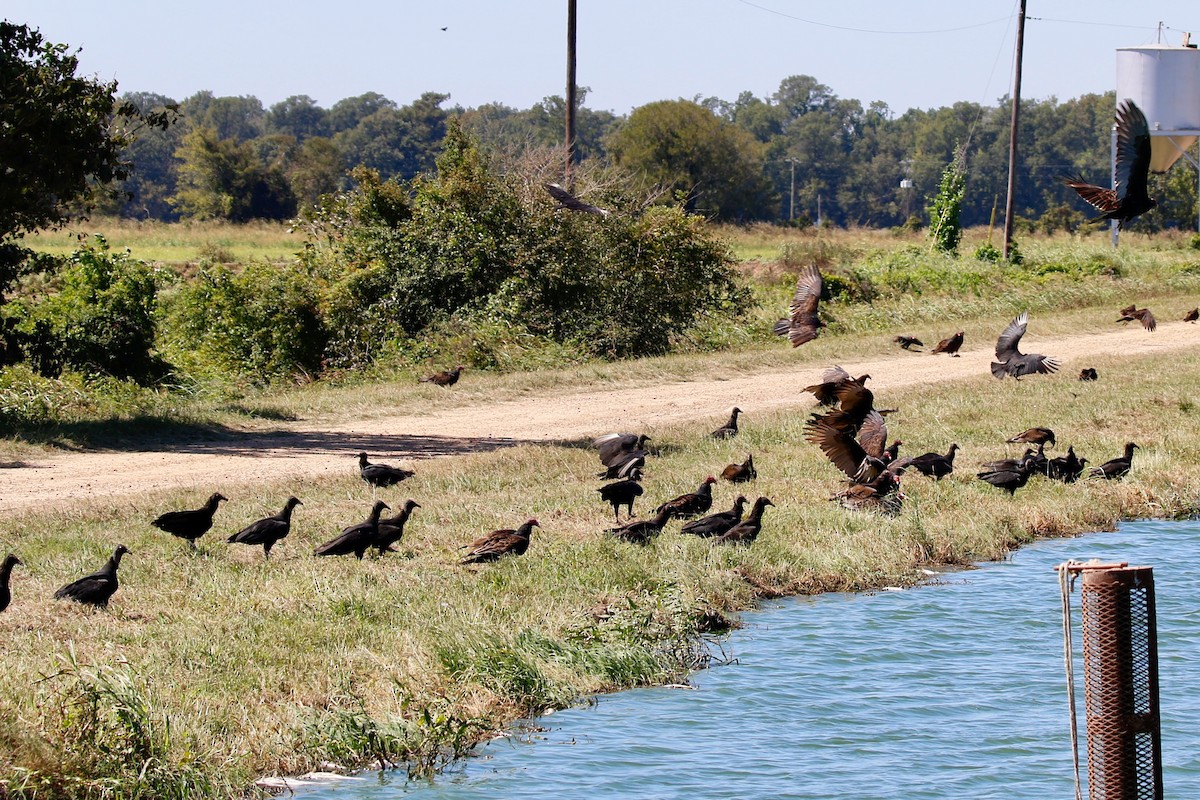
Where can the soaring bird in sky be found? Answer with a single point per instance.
(1129, 196)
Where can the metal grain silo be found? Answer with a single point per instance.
(1164, 81)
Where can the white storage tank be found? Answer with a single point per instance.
(1164, 81)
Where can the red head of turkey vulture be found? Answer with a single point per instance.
(949, 345)
(1129, 196)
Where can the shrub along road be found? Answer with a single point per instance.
(308, 449)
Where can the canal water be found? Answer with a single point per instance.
(954, 689)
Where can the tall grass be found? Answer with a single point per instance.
(215, 667)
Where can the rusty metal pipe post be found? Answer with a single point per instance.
(1120, 666)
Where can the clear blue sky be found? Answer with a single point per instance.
(920, 53)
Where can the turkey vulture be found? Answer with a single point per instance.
(1192, 315)
(447, 378)
(1129, 196)
(1142, 315)
(1034, 436)
(192, 524)
(803, 324)
(1011, 361)
(949, 345)
(740, 473)
(641, 531)
(908, 342)
(269, 530)
(881, 494)
(692, 504)
(568, 200)
(497, 544)
(97, 588)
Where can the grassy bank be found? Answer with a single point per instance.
(212, 669)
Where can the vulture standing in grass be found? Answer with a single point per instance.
(6, 569)
(1066, 468)
(269, 530)
(1134, 314)
(949, 345)
(1088, 374)
(641, 531)
(381, 474)
(447, 378)
(1009, 479)
(908, 342)
(803, 324)
(1192, 315)
(498, 544)
(1011, 361)
(716, 524)
(1007, 463)
(622, 493)
(1129, 196)
(1034, 436)
(730, 428)
(745, 532)
(692, 504)
(392, 528)
(740, 473)
(95, 589)
(357, 538)
(1116, 468)
(571, 202)
(935, 465)
(881, 494)
(192, 524)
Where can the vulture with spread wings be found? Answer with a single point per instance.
(1129, 196)
(803, 324)
(1011, 361)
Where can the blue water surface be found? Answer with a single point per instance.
(954, 689)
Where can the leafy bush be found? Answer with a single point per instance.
(945, 229)
(97, 317)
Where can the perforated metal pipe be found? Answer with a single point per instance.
(1120, 667)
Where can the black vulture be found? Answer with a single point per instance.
(95, 589)
(269, 530)
(192, 524)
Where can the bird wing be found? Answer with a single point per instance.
(1147, 319)
(838, 446)
(1006, 345)
(261, 531)
(87, 586)
(855, 399)
(1133, 152)
(572, 202)
(802, 326)
(1098, 197)
(873, 434)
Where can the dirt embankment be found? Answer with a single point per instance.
(310, 449)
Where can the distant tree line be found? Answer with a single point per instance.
(802, 154)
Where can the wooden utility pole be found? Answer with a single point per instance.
(1011, 200)
(570, 140)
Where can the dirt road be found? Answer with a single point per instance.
(309, 449)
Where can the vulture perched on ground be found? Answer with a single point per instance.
(949, 345)
(730, 428)
(1066, 468)
(1088, 374)
(569, 201)
(641, 531)
(357, 538)
(193, 524)
(1115, 468)
(745, 532)
(500, 543)
(95, 589)
(803, 324)
(1034, 436)
(1129, 196)
(881, 494)
(908, 342)
(381, 474)
(1011, 361)
(1143, 315)
(1192, 315)
(6, 569)
(692, 504)
(935, 465)
(740, 473)
(269, 530)
(448, 378)
(622, 493)
(1007, 463)
(718, 523)
(392, 528)
(1009, 479)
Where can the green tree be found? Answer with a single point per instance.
(226, 179)
(298, 116)
(945, 228)
(397, 142)
(60, 136)
(682, 146)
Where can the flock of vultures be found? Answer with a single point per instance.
(848, 429)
